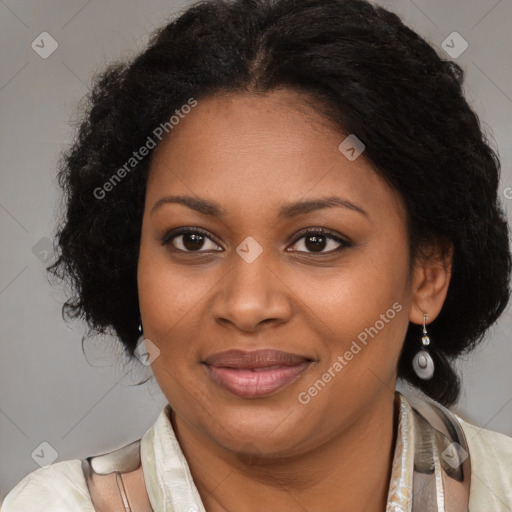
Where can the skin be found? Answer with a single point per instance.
(252, 154)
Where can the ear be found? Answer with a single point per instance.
(431, 278)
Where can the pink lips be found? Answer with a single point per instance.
(255, 374)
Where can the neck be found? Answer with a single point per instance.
(352, 468)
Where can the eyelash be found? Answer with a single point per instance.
(168, 237)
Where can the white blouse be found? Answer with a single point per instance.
(61, 486)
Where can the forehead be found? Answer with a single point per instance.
(242, 149)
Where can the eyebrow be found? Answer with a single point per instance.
(212, 209)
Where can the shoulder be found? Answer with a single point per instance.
(58, 487)
(491, 467)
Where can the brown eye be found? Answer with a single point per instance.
(190, 240)
(316, 241)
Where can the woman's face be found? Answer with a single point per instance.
(327, 312)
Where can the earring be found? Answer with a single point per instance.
(141, 336)
(422, 362)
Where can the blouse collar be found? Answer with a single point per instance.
(400, 488)
(171, 487)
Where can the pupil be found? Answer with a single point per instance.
(197, 241)
(316, 242)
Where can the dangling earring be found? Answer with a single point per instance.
(422, 362)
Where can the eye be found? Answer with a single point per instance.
(315, 240)
(189, 240)
(195, 239)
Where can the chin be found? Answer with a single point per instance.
(258, 429)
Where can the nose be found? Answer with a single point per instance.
(251, 295)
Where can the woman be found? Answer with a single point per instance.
(268, 205)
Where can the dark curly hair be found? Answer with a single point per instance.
(371, 75)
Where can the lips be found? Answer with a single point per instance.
(255, 374)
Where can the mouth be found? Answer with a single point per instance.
(255, 374)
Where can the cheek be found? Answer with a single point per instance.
(353, 295)
(167, 307)
(167, 295)
(364, 303)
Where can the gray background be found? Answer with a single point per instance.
(48, 390)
